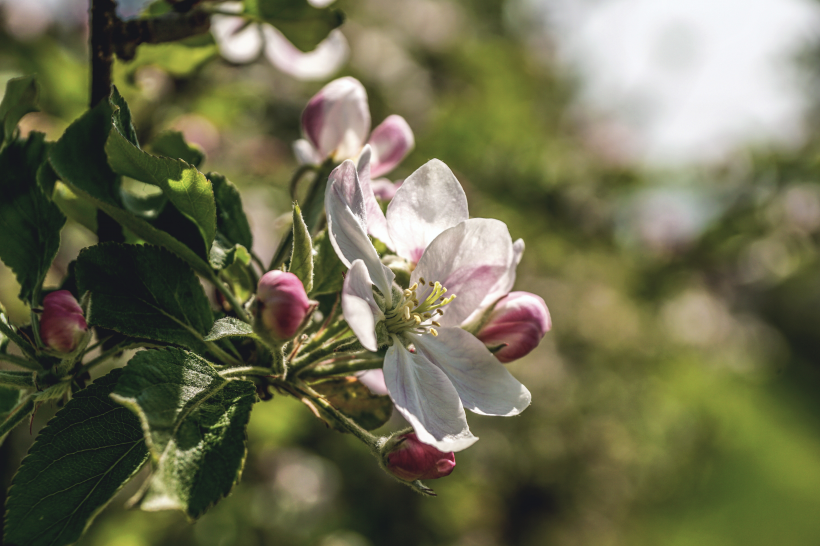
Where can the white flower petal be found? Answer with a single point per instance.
(376, 222)
(484, 385)
(324, 61)
(337, 119)
(504, 284)
(347, 226)
(305, 153)
(427, 399)
(320, 3)
(373, 380)
(359, 306)
(430, 201)
(238, 41)
(469, 260)
(391, 140)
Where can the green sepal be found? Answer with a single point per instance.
(301, 258)
(329, 271)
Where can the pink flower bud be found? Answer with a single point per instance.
(518, 321)
(62, 325)
(337, 119)
(412, 460)
(282, 304)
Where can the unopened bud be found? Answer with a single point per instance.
(411, 460)
(337, 119)
(516, 325)
(282, 304)
(62, 325)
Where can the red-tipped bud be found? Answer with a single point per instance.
(517, 324)
(412, 460)
(282, 304)
(62, 325)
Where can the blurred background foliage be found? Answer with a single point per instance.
(675, 400)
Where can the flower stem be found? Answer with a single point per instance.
(105, 355)
(323, 335)
(343, 368)
(17, 379)
(246, 370)
(20, 361)
(338, 347)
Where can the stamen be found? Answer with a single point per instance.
(421, 280)
(436, 324)
(433, 331)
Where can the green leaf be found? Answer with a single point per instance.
(301, 259)
(79, 159)
(178, 59)
(230, 216)
(79, 461)
(30, 223)
(329, 271)
(185, 187)
(144, 291)
(121, 117)
(19, 100)
(194, 423)
(229, 327)
(234, 266)
(172, 144)
(351, 397)
(304, 25)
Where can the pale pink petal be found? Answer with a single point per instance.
(430, 201)
(376, 222)
(305, 153)
(426, 398)
(504, 284)
(384, 189)
(347, 226)
(391, 140)
(469, 260)
(337, 119)
(238, 41)
(359, 307)
(328, 57)
(484, 385)
(374, 380)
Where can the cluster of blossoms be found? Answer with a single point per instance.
(438, 304)
(432, 317)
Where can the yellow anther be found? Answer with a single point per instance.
(436, 324)
(421, 280)
(427, 315)
(433, 331)
(406, 313)
(417, 319)
(431, 283)
(415, 285)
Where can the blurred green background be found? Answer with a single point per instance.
(675, 401)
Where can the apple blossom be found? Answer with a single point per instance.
(516, 324)
(410, 460)
(336, 124)
(241, 41)
(62, 325)
(427, 222)
(282, 304)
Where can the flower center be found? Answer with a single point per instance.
(418, 316)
